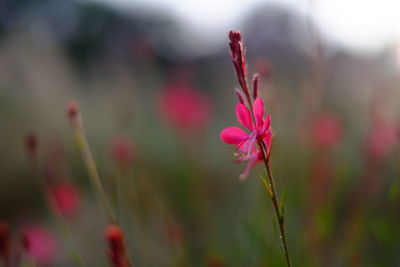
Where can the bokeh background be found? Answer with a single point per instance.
(155, 85)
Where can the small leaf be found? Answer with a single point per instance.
(267, 186)
(282, 202)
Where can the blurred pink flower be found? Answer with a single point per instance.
(40, 244)
(326, 130)
(65, 197)
(121, 151)
(247, 143)
(185, 107)
(381, 138)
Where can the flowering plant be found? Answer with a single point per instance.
(255, 146)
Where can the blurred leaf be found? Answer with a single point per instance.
(324, 222)
(394, 191)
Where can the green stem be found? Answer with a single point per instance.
(83, 146)
(279, 215)
(265, 157)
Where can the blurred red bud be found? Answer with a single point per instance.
(72, 111)
(116, 246)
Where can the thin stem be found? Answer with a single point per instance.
(279, 216)
(83, 146)
(81, 141)
(58, 216)
(263, 148)
(67, 231)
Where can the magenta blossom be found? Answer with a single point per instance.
(247, 147)
(65, 198)
(381, 139)
(185, 107)
(40, 244)
(121, 151)
(327, 130)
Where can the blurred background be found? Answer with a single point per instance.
(155, 86)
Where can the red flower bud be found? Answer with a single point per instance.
(116, 246)
(256, 79)
(238, 59)
(72, 111)
(239, 96)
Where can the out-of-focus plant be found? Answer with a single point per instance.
(114, 235)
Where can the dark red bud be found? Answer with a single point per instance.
(31, 144)
(238, 59)
(256, 79)
(72, 111)
(116, 246)
(239, 96)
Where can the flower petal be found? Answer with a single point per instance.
(267, 138)
(233, 135)
(258, 110)
(250, 164)
(267, 121)
(243, 115)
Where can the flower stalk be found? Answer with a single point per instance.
(118, 257)
(83, 146)
(256, 146)
(31, 146)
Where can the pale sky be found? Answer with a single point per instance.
(359, 25)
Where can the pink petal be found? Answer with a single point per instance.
(267, 138)
(250, 164)
(40, 244)
(233, 135)
(267, 121)
(243, 115)
(265, 125)
(258, 109)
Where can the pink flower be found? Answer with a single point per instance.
(121, 150)
(185, 107)
(40, 244)
(381, 139)
(247, 143)
(326, 131)
(65, 197)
